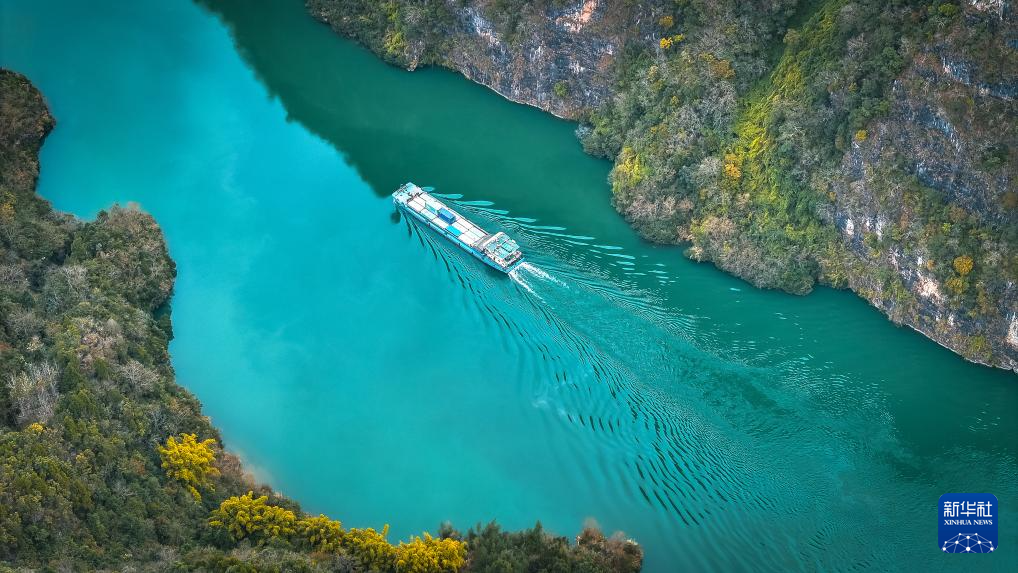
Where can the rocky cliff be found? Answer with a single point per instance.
(558, 60)
(851, 143)
(550, 55)
(926, 201)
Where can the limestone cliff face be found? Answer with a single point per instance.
(557, 58)
(951, 129)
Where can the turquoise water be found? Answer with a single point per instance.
(379, 375)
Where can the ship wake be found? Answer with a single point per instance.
(527, 274)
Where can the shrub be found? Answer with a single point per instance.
(1010, 200)
(34, 392)
(370, 548)
(430, 555)
(616, 553)
(956, 285)
(247, 517)
(669, 41)
(324, 534)
(963, 265)
(189, 461)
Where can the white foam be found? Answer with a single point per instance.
(538, 272)
(516, 278)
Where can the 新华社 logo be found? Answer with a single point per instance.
(968, 523)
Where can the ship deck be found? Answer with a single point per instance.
(462, 229)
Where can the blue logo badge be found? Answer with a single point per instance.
(968, 523)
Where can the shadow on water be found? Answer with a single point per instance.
(392, 128)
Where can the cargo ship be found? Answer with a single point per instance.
(497, 250)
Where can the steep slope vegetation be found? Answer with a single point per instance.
(107, 464)
(855, 143)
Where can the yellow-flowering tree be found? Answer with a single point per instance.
(963, 265)
(370, 548)
(732, 166)
(190, 461)
(955, 284)
(629, 170)
(430, 555)
(667, 42)
(324, 534)
(252, 517)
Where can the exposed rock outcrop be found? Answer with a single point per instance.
(557, 58)
(560, 62)
(952, 129)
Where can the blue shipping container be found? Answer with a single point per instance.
(446, 215)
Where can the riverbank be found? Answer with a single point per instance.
(897, 193)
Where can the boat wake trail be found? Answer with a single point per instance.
(516, 278)
(526, 270)
(536, 272)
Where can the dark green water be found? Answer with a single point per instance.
(376, 374)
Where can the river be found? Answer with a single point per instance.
(374, 373)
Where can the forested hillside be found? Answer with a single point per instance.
(856, 143)
(107, 464)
